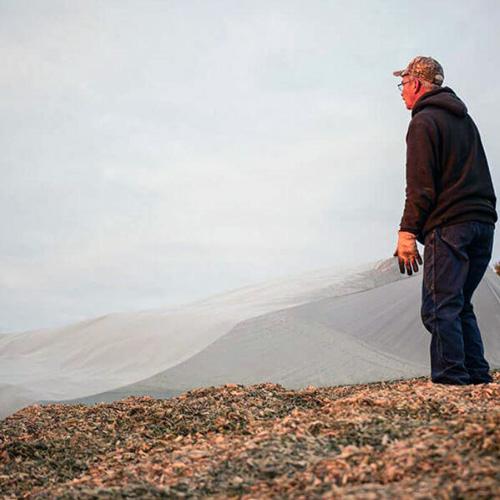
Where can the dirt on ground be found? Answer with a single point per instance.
(403, 439)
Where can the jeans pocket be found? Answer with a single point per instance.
(458, 235)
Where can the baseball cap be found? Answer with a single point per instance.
(426, 68)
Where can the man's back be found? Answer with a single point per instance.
(448, 178)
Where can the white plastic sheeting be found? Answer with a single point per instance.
(324, 327)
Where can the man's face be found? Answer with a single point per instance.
(409, 91)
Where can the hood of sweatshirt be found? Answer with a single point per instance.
(441, 98)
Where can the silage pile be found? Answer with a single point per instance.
(402, 439)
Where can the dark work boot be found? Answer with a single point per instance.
(487, 379)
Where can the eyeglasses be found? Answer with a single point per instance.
(402, 84)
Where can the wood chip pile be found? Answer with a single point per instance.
(406, 439)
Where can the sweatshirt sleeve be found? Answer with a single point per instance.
(421, 167)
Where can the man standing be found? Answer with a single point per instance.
(450, 207)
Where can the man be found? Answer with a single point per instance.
(450, 207)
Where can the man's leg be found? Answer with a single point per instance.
(479, 252)
(446, 266)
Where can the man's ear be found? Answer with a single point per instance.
(417, 85)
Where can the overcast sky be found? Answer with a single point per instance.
(157, 152)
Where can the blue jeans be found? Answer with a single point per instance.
(455, 259)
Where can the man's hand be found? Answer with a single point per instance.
(407, 253)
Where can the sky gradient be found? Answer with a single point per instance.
(157, 152)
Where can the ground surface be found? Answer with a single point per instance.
(409, 439)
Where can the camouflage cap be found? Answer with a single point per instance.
(426, 68)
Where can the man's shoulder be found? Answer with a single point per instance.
(427, 114)
(424, 119)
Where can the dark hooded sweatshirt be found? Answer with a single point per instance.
(447, 174)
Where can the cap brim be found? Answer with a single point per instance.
(398, 73)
